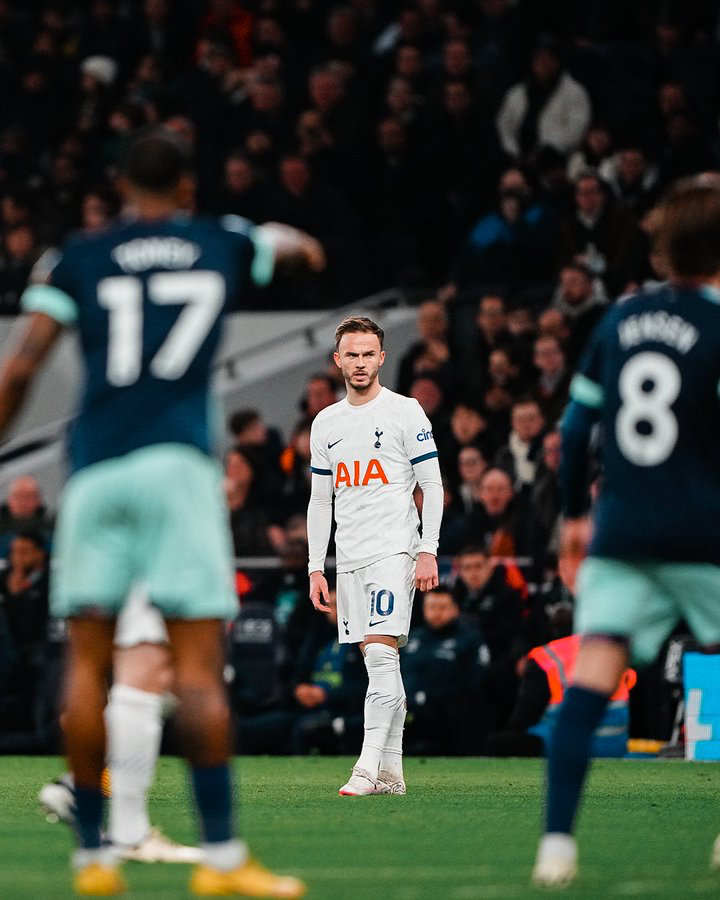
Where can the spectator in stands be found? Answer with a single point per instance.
(596, 147)
(581, 299)
(490, 603)
(428, 392)
(295, 464)
(468, 427)
(549, 109)
(445, 668)
(24, 606)
(519, 456)
(633, 178)
(262, 445)
(553, 381)
(100, 206)
(243, 191)
(431, 353)
(518, 228)
(500, 522)
(320, 392)
(249, 521)
(604, 234)
(471, 465)
(324, 709)
(23, 511)
(545, 498)
(18, 253)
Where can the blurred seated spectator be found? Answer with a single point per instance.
(633, 178)
(604, 234)
(468, 428)
(596, 147)
(549, 109)
(431, 353)
(582, 300)
(320, 392)
(500, 522)
(494, 606)
(252, 531)
(519, 227)
(100, 206)
(23, 511)
(262, 445)
(472, 465)
(295, 465)
(519, 456)
(545, 497)
(445, 666)
(453, 525)
(486, 331)
(24, 606)
(243, 192)
(550, 390)
(428, 392)
(546, 672)
(18, 254)
(323, 710)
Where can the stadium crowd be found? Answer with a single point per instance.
(500, 161)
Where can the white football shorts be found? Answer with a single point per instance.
(376, 599)
(139, 622)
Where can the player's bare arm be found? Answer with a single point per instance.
(293, 246)
(319, 592)
(426, 572)
(36, 340)
(574, 541)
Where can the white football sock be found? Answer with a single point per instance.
(392, 758)
(225, 855)
(134, 721)
(385, 696)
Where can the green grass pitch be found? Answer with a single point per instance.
(466, 830)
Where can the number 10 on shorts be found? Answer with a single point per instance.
(382, 602)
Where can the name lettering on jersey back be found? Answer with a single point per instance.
(141, 254)
(353, 475)
(658, 326)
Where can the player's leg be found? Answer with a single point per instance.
(382, 598)
(601, 662)
(90, 647)
(203, 720)
(391, 778)
(620, 607)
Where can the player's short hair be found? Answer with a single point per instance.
(358, 325)
(687, 233)
(156, 160)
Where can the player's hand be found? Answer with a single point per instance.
(319, 592)
(574, 539)
(314, 254)
(426, 572)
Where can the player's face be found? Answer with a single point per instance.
(359, 358)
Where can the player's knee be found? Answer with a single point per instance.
(381, 659)
(146, 667)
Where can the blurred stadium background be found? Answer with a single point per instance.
(481, 174)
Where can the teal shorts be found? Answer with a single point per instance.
(644, 601)
(154, 517)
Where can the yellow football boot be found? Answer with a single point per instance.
(248, 880)
(98, 880)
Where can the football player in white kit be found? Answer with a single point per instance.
(138, 703)
(369, 451)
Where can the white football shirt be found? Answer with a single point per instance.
(368, 454)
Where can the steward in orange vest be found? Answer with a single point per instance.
(557, 659)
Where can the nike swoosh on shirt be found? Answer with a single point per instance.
(330, 446)
(370, 624)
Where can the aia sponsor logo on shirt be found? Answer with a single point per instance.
(355, 474)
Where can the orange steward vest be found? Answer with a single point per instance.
(557, 659)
